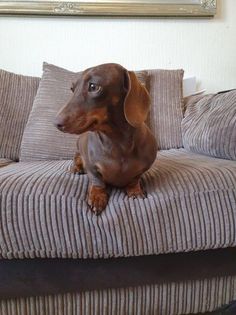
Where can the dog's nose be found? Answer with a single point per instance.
(59, 124)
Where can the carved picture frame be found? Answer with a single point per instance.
(145, 8)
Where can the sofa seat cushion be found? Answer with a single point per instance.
(191, 205)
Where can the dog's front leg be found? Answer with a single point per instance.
(135, 190)
(77, 167)
(97, 196)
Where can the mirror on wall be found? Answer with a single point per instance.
(155, 8)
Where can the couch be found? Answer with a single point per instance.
(171, 253)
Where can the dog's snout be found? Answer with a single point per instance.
(59, 123)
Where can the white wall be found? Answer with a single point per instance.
(205, 48)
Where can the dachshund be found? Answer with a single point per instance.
(108, 110)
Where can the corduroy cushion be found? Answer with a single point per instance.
(190, 205)
(41, 140)
(5, 162)
(17, 93)
(209, 125)
(166, 91)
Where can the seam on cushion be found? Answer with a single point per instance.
(75, 255)
(198, 192)
(149, 194)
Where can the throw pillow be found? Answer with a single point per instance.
(209, 125)
(17, 93)
(166, 114)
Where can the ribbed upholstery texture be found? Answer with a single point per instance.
(191, 205)
(209, 125)
(41, 140)
(5, 162)
(17, 94)
(164, 299)
(192, 99)
(166, 91)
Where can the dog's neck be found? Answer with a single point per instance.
(119, 122)
(118, 128)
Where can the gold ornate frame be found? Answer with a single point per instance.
(159, 8)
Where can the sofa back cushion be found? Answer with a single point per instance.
(41, 139)
(166, 91)
(209, 125)
(17, 93)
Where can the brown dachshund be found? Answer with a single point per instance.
(108, 109)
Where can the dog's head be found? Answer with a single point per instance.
(97, 93)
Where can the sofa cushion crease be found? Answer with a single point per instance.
(5, 162)
(190, 206)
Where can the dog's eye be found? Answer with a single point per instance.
(93, 87)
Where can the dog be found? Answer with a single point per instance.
(108, 110)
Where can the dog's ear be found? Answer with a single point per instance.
(137, 100)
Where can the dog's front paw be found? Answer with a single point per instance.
(97, 199)
(78, 166)
(135, 191)
(74, 169)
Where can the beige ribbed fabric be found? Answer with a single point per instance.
(17, 94)
(166, 90)
(163, 299)
(5, 162)
(209, 125)
(191, 205)
(192, 99)
(41, 140)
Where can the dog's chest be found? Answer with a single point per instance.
(118, 171)
(116, 162)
